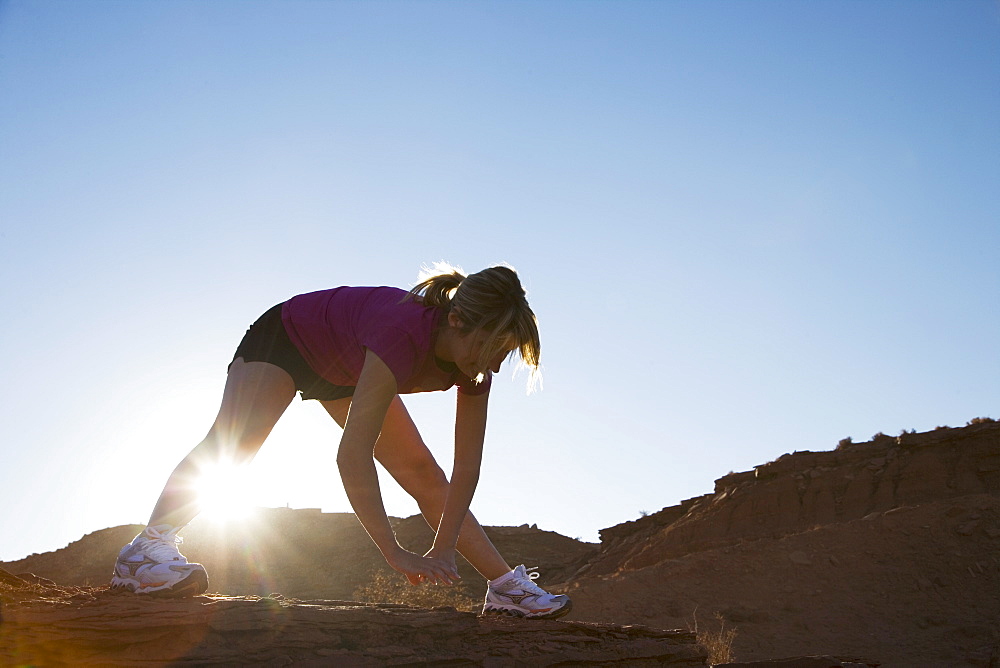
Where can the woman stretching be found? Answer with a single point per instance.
(355, 350)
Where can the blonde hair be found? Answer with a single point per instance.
(491, 299)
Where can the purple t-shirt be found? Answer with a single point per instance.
(333, 328)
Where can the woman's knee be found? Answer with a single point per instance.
(430, 491)
(219, 448)
(431, 475)
(255, 396)
(418, 476)
(229, 446)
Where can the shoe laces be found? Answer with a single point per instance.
(526, 579)
(162, 546)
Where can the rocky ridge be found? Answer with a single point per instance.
(887, 549)
(51, 625)
(803, 490)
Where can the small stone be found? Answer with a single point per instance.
(800, 558)
(967, 529)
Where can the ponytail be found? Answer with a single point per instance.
(437, 285)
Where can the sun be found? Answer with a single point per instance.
(223, 492)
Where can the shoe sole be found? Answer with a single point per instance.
(194, 584)
(514, 612)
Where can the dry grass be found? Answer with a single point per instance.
(718, 643)
(391, 587)
(10, 593)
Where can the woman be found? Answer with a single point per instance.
(355, 350)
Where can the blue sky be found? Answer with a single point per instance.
(747, 228)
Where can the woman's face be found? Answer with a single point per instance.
(468, 348)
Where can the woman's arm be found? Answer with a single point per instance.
(470, 431)
(355, 459)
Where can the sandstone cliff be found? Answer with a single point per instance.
(887, 549)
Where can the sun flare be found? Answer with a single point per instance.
(223, 493)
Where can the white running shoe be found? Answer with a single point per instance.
(516, 594)
(152, 564)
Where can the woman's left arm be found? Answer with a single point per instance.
(470, 431)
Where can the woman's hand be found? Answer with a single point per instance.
(447, 557)
(437, 567)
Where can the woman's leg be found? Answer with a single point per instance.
(401, 450)
(256, 395)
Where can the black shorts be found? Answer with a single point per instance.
(267, 341)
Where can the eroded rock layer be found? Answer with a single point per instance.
(804, 490)
(888, 550)
(83, 626)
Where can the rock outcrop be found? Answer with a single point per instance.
(803, 490)
(52, 626)
(887, 550)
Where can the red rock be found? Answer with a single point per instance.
(123, 629)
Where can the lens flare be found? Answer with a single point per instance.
(223, 494)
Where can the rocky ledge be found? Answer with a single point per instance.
(43, 624)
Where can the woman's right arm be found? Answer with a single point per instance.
(375, 391)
